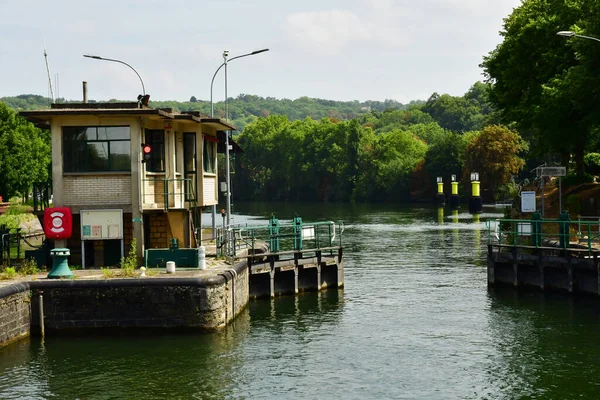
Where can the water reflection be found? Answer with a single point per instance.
(547, 344)
(130, 366)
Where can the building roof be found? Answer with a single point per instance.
(41, 118)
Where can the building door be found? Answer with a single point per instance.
(112, 252)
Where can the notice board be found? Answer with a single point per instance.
(101, 224)
(527, 202)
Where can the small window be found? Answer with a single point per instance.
(96, 148)
(156, 139)
(189, 151)
(209, 155)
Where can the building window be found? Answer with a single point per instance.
(209, 154)
(156, 139)
(189, 164)
(96, 148)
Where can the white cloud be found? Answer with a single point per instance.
(327, 30)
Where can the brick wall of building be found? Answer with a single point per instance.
(159, 231)
(81, 190)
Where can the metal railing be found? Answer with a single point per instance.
(542, 233)
(167, 193)
(279, 239)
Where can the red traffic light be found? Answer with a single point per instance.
(146, 150)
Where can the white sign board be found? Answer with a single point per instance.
(308, 232)
(527, 201)
(551, 171)
(101, 224)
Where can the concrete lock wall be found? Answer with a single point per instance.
(201, 304)
(14, 313)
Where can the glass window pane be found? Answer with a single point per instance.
(189, 152)
(74, 156)
(79, 133)
(209, 156)
(98, 156)
(120, 158)
(156, 139)
(113, 133)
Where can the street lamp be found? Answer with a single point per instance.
(571, 34)
(212, 114)
(121, 62)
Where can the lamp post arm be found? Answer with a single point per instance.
(212, 110)
(212, 113)
(121, 62)
(587, 37)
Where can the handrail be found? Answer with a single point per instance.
(537, 232)
(184, 195)
(286, 239)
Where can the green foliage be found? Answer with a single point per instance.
(129, 263)
(24, 154)
(547, 83)
(573, 180)
(495, 154)
(107, 272)
(592, 163)
(8, 273)
(28, 267)
(13, 222)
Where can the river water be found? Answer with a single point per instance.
(415, 320)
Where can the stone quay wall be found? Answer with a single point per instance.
(204, 303)
(15, 313)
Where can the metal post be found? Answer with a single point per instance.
(42, 328)
(227, 182)
(559, 196)
(543, 195)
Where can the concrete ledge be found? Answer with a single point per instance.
(14, 288)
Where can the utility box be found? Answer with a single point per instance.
(185, 258)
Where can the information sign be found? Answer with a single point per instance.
(528, 202)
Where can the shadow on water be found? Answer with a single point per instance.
(178, 366)
(305, 309)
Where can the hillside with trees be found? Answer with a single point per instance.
(245, 108)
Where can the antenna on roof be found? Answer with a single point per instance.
(48, 70)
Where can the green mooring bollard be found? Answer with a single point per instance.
(536, 229)
(297, 229)
(563, 229)
(273, 234)
(60, 265)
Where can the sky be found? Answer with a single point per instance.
(330, 49)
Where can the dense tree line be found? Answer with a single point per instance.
(547, 84)
(394, 155)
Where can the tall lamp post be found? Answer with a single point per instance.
(120, 62)
(212, 114)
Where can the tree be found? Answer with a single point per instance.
(494, 153)
(193, 99)
(24, 154)
(545, 83)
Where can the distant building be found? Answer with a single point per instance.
(98, 163)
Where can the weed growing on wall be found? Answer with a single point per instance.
(129, 263)
(8, 273)
(29, 267)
